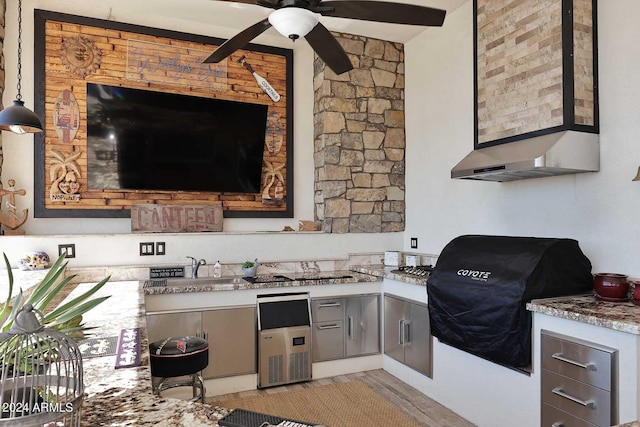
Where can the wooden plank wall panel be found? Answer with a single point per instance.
(112, 44)
(583, 62)
(519, 56)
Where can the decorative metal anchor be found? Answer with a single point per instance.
(12, 221)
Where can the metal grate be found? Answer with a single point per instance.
(245, 418)
(276, 369)
(299, 366)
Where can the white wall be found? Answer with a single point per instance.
(108, 241)
(600, 210)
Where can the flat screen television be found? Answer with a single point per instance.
(146, 140)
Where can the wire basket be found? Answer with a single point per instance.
(41, 375)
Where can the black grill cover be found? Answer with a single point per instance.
(481, 284)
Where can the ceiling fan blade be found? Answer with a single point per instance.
(381, 11)
(273, 4)
(328, 48)
(238, 41)
(243, 1)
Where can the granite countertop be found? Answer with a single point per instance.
(265, 281)
(619, 316)
(122, 397)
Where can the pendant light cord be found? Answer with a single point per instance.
(19, 96)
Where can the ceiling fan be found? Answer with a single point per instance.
(300, 18)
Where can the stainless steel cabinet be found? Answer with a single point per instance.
(407, 334)
(578, 382)
(231, 334)
(362, 325)
(161, 326)
(345, 327)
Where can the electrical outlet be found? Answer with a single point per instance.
(414, 243)
(70, 248)
(161, 248)
(146, 248)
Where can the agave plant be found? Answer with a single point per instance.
(65, 317)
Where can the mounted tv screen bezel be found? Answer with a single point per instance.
(158, 141)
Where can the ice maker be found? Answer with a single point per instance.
(284, 339)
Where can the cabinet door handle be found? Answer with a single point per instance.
(350, 327)
(557, 424)
(587, 403)
(329, 304)
(588, 366)
(407, 332)
(401, 332)
(323, 327)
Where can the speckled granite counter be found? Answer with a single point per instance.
(122, 397)
(271, 281)
(619, 316)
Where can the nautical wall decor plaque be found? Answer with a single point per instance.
(66, 116)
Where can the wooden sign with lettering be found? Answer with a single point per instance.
(176, 218)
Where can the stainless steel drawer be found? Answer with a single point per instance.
(326, 309)
(582, 362)
(554, 417)
(328, 340)
(589, 403)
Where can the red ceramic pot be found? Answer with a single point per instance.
(636, 290)
(611, 285)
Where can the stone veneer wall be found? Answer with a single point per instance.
(359, 139)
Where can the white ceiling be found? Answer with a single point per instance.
(238, 16)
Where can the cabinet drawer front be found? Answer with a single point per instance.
(584, 401)
(327, 309)
(554, 417)
(328, 340)
(581, 362)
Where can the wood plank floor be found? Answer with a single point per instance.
(424, 410)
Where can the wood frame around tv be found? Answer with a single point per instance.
(73, 50)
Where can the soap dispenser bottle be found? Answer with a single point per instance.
(217, 269)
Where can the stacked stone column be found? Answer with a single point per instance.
(359, 139)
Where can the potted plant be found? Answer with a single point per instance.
(65, 317)
(249, 268)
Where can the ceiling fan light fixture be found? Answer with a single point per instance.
(293, 22)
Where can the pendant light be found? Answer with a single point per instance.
(17, 118)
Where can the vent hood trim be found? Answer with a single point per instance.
(561, 153)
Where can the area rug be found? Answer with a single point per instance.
(349, 404)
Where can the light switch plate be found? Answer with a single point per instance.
(146, 248)
(70, 248)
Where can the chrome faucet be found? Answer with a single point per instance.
(195, 265)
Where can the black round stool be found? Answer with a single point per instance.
(175, 357)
